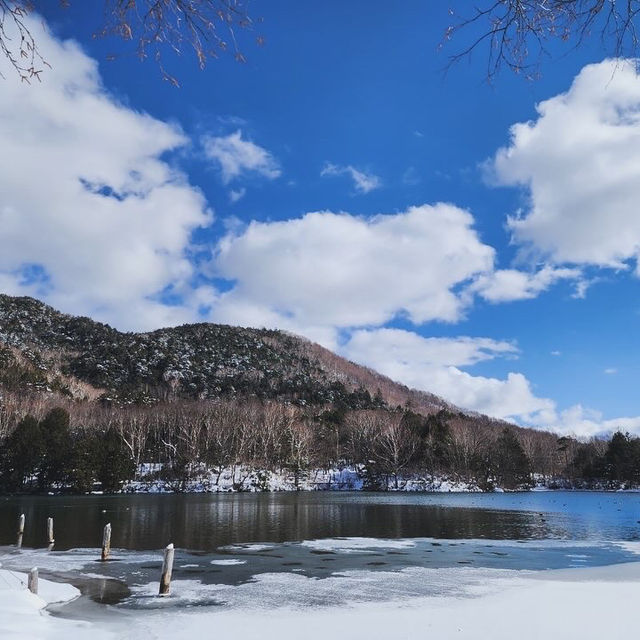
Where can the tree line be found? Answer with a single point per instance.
(85, 446)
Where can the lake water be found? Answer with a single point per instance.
(310, 548)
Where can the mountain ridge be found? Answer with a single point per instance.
(79, 357)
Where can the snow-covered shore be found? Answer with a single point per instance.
(573, 604)
(241, 478)
(150, 479)
(23, 614)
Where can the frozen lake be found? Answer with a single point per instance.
(311, 549)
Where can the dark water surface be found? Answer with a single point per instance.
(204, 522)
(309, 548)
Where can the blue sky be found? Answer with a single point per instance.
(345, 111)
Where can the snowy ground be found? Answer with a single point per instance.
(580, 604)
(240, 478)
(23, 614)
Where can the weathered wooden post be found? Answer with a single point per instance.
(106, 541)
(32, 583)
(50, 531)
(20, 530)
(167, 568)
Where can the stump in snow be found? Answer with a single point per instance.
(50, 533)
(32, 583)
(167, 568)
(106, 542)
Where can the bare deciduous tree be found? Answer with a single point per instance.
(518, 33)
(209, 28)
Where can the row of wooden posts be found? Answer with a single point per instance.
(167, 561)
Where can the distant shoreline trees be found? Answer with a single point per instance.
(87, 447)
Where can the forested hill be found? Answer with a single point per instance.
(43, 349)
(82, 403)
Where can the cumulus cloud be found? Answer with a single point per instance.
(363, 182)
(433, 364)
(237, 156)
(91, 217)
(580, 162)
(436, 365)
(504, 285)
(586, 423)
(341, 270)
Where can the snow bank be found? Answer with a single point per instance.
(22, 614)
(242, 478)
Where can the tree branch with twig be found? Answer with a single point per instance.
(518, 34)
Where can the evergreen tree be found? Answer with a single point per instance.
(512, 466)
(21, 456)
(622, 459)
(83, 468)
(114, 464)
(57, 449)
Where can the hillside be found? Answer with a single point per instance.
(44, 349)
(81, 402)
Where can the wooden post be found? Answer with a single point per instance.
(32, 583)
(167, 568)
(106, 541)
(20, 530)
(50, 530)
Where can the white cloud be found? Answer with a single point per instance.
(580, 162)
(340, 270)
(237, 156)
(407, 348)
(556, 353)
(237, 194)
(90, 215)
(433, 364)
(510, 284)
(585, 423)
(610, 371)
(363, 182)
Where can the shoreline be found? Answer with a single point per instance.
(243, 479)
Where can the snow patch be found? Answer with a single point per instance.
(346, 545)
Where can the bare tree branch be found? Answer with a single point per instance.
(208, 28)
(518, 34)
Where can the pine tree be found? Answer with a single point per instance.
(114, 464)
(21, 456)
(57, 449)
(512, 466)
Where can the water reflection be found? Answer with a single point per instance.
(205, 522)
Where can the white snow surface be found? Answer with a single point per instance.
(579, 604)
(23, 615)
(346, 545)
(243, 478)
(467, 604)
